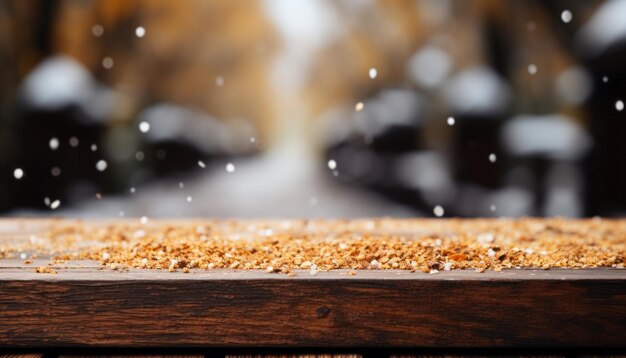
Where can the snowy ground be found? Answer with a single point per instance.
(271, 185)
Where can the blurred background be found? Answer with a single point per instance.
(312, 108)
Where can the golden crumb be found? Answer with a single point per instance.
(280, 246)
(45, 269)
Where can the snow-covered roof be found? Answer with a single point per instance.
(429, 67)
(605, 27)
(57, 82)
(60, 81)
(477, 90)
(172, 122)
(553, 136)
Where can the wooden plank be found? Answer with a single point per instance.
(139, 355)
(86, 305)
(226, 356)
(293, 356)
(87, 271)
(223, 308)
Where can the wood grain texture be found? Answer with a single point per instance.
(85, 306)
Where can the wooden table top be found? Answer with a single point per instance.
(87, 305)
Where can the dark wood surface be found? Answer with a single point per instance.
(85, 305)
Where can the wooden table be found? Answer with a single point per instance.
(86, 305)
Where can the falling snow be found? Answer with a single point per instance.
(132, 190)
(451, 121)
(230, 167)
(101, 165)
(605, 79)
(18, 173)
(201, 164)
(566, 16)
(94, 147)
(140, 32)
(359, 107)
(144, 127)
(54, 143)
(492, 157)
(55, 171)
(492, 207)
(619, 105)
(97, 30)
(107, 63)
(189, 199)
(332, 164)
(144, 220)
(139, 156)
(74, 142)
(438, 211)
(55, 204)
(219, 81)
(373, 73)
(532, 69)
(181, 185)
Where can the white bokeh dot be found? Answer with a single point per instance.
(18, 173)
(144, 127)
(108, 63)
(566, 16)
(101, 165)
(140, 32)
(54, 143)
(55, 204)
(373, 72)
(97, 30)
(332, 164)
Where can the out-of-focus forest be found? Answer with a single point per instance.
(312, 108)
